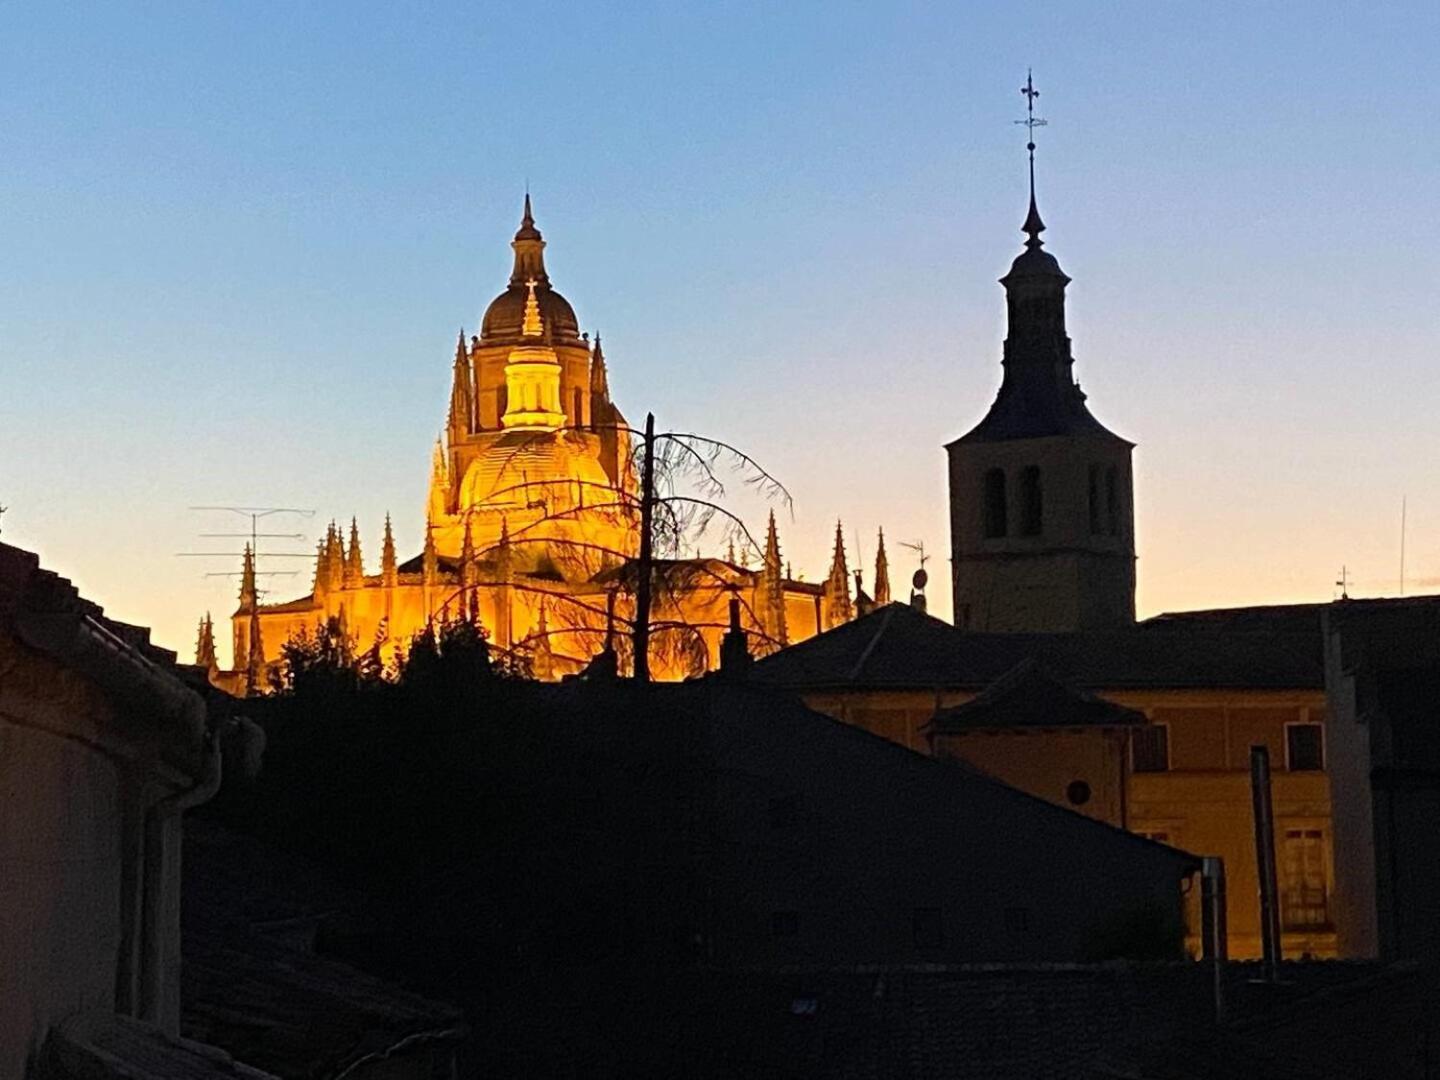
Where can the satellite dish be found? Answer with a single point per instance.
(920, 578)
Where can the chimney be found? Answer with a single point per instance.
(735, 656)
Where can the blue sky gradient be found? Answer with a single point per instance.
(239, 239)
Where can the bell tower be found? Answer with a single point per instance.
(1042, 523)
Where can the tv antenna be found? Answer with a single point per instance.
(256, 514)
(921, 577)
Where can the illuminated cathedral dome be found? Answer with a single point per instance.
(506, 314)
(505, 317)
(521, 469)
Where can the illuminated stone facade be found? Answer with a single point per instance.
(532, 524)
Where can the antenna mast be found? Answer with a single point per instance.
(253, 537)
(1402, 544)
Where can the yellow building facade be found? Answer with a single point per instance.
(1183, 778)
(532, 525)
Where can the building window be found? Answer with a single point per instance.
(1304, 748)
(927, 925)
(1304, 891)
(1112, 499)
(577, 412)
(1077, 792)
(1017, 920)
(1151, 834)
(1150, 748)
(1032, 508)
(784, 811)
(1096, 521)
(996, 517)
(785, 924)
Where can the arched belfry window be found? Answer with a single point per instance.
(1032, 508)
(996, 520)
(1112, 499)
(1097, 520)
(579, 416)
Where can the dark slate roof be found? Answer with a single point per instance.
(1029, 696)
(897, 647)
(47, 613)
(1035, 409)
(98, 1045)
(249, 984)
(1063, 1022)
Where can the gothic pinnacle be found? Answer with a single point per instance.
(882, 572)
(248, 593)
(354, 564)
(533, 325)
(388, 570)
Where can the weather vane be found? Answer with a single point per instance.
(1030, 123)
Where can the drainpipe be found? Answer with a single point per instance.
(159, 919)
(1213, 944)
(1265, 860)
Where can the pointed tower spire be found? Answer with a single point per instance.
(1033, 225)
(771, 601)
(835, 600)
(354, 563)
(389, 570)
(467, 549)
(534, 325)
(529, 247)
(255, 661)
(248, 593)
(205, 645)
(430, 560)
(882, 572)
(543, 663)
(334, 559)
(599, 375)
(462, 394)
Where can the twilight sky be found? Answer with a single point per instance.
(238, 241)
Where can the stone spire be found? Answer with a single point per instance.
(468, 570)
(389, 570)
(462, 394)
(248, 593)
(835, 600)
(599, 376)
(430, 560)
(354, 563)
(255, 662)
(529, 248)
(334, 559)
(882, 573)
(439, 467)
(543, 664)
(533, 325)
(205, 645)
(772, 587)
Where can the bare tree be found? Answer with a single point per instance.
(677, 505)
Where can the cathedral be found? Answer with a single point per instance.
(533, 527)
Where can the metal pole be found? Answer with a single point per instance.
(1265, 860)
(1213, 925)
(645, 568)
